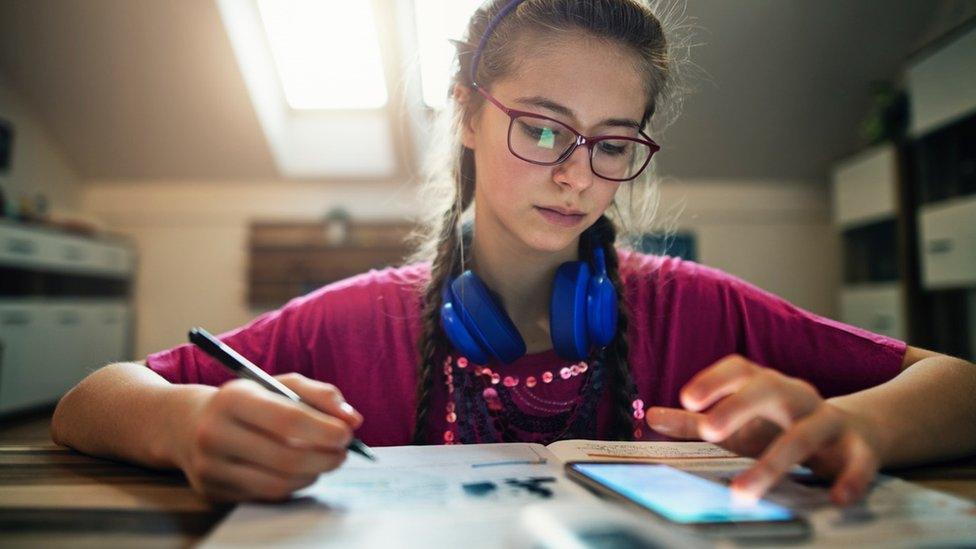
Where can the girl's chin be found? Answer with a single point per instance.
(550, 241)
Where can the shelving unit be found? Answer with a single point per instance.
(65, 310)
(869, 213)
(942, 87)
(288, 259)
(907, 211)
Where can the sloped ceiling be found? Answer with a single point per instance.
(149, 89)
(135, 88)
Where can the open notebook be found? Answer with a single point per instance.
(473, 495)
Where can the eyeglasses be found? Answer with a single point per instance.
(546, 141)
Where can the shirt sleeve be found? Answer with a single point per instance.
(275, 341)
(835, 357)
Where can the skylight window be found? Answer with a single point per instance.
(438, 21)
(326, 53)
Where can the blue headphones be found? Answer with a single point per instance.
(582, 314)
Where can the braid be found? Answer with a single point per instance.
(615, 355)
(432, 337)
(446, 264)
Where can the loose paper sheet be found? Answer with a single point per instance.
(410, 497)
(415, 497)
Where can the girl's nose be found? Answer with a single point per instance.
(575, 171)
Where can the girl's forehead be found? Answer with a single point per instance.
(594, 78)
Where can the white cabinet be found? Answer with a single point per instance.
(50, 340)
(866, 212)
(48, 346)
(865, 187)
(24, 344)
(877, 307)
(942, 86)
(947, 243)
(28, 247)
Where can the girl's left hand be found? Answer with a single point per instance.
(758, 411)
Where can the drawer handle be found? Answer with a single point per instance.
(15, 318)
(21, 246)
(939, 246)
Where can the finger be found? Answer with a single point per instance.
(219, 494)
(753, 438)
(767, 395)
(860, 468)
(235, 440)
(673, 422)
(250, 404)
(230, 477)
(717, 381)
(796, 444)
(323, 396)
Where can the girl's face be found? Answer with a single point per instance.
(581, 82)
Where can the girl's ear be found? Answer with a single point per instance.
(462, 97)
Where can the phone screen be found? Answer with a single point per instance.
(679, 496)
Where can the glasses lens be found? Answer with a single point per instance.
(539, 140)
(619, 158)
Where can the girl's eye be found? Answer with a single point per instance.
(608, 147)
(543, 134)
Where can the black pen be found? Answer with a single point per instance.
(246, 369)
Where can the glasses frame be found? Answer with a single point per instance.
(581, 140)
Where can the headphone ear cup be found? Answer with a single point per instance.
(486, 322)
(601, 311)
(567, 310)
(457, 332)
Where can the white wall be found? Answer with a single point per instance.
(775, 234)
(38, 165)
(192, 239)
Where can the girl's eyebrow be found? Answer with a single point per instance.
(546, 103)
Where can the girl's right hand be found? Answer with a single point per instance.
(244, 442)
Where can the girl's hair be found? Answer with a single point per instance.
(450, 176)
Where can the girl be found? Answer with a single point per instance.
(528, 323)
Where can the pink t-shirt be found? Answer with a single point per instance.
(361, 334)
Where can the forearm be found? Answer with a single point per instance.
(126, 411)
(927, 412)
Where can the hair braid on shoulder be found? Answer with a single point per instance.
(432, 338)
(621, 383)
(446, 264)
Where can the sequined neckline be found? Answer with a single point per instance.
(488, 406)
(530, 363)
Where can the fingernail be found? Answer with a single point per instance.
(743, 496)
(659, 427)
(347, 408)
(709, 433)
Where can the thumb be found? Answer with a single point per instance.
(322, 396)
(674, 422)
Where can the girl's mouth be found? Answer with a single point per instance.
(560, 219)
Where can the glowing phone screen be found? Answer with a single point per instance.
(680, 496)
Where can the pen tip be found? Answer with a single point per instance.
(360, 448)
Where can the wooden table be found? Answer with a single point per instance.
(51, 496)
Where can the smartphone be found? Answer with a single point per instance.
(687, 500)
